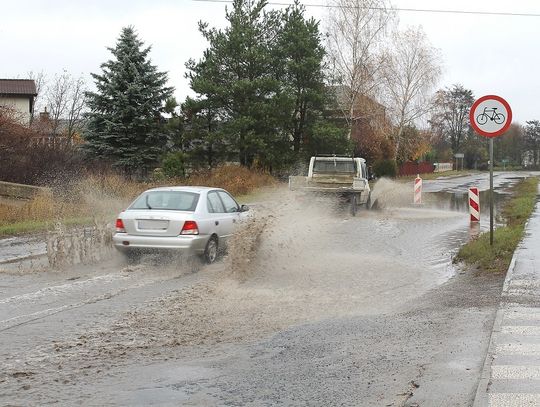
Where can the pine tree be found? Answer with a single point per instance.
(236, 76)
(262, 81)
(125, 122)
(301, 54)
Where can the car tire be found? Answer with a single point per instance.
(211, 250)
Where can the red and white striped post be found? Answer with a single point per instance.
(474, 204)
(418, 190)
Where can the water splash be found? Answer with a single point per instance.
(67, 247)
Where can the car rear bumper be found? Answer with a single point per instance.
(189, 244)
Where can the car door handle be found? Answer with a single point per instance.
(217, 222)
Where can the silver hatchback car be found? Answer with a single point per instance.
(192, 220)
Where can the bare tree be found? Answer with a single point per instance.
(66, 97)
(412, 69)
(450, 117)
(77, 104)
(357, 30)
(58, 99)
(40, 79)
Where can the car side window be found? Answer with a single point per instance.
(230, 204)
(214, 203)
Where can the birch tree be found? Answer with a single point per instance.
(412, 69)
(357, 30)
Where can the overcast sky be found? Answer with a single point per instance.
(488, 54)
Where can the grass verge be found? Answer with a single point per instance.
(516, 211)
(33, 226)
(100, 198)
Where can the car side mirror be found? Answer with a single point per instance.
(244, 208)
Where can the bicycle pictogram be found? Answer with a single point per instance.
(490, 114)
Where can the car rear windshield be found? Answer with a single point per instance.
(333, 166)
(167, 200)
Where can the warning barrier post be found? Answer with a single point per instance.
(474, 204)
(418, 190)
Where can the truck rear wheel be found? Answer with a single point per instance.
(354, 205)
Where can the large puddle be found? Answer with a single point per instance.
(397, 207)
(441, 224)
(458, 201)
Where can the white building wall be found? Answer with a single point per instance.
(20, 104)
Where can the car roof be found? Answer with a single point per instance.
(194, 189)
(338, 158)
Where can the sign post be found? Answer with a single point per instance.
(457, 156)
(490, 116)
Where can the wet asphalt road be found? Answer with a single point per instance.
(374, 314)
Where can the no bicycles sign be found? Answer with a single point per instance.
(490, 116)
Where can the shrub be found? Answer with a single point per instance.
(234, 178)
(174, 164)
(385, 168)
(28, 158)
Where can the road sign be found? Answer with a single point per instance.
(459, 155)
(490, 116)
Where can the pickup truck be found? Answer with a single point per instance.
(345, 177)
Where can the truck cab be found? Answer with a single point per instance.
(343, 176)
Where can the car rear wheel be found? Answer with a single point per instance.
(211, 250)
(132, 257)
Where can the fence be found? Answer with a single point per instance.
(412, 168)
(52, 141)
(441, 167)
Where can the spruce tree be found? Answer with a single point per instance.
(125, 122)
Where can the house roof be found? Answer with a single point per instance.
(18, 87)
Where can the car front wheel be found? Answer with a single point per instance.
(211, 250)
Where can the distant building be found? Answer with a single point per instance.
(18, 95)
(370, 125)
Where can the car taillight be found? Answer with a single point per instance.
(120, 226)
(190, 228)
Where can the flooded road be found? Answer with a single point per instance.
(328, 310)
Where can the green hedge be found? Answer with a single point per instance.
(385, 168)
